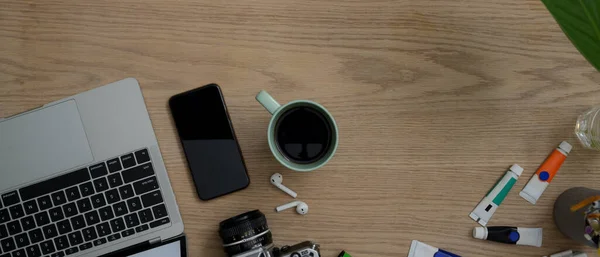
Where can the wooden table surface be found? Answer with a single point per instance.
(434, 101)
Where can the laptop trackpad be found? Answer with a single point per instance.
(41, 143)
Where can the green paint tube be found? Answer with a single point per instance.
(344, 254)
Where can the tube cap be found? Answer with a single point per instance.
(480, 233)
(565, 146)
(517, 169)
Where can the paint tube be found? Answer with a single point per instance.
(420, 249)
(510, 235)
(544, 175)
(488, 205)
(568, 253)
(344, 254)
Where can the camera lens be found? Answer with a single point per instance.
(245, 232)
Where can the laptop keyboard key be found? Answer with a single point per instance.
(64, 226)
(36, 236)
(8, 244)
(103, 229)
(91, 218)
(152, 198)
(31, 207)
(114, 237)
(139, 172)
(120, 209)
(73, 194)
(14, 227)
(145, 216)
(85, 246)
(84, 205)
(106, 213)
(126, 191)
(54, 184)
(10, 198)
(117, 224)
(100, 184)
(19, 253)
(142, 156)
(50, 231)
(47, 247)
(72, 250)
(114, 165)
(4, 216)
(86, 189)
(3, 231)
(98, 170)
(44, 202)
(115, 180)
(33, 251)
(58, 198)
(131, 220)
(128, 232)
(42, 218)
(56, 214)
(22, 240)
(75, 238)
(159, 222)
(112, 196)
(61, 242)
(159, 211)
(70, 210)
(145, 185)
(99, 241)
(78, 222)
(16, 211)
(141, 228)
(134, 204)
(58, 254)
(98, 200)
(128, 161)
(28, 223)
(89, 234)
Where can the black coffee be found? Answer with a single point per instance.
(303, 135)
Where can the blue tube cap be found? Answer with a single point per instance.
(514, 236)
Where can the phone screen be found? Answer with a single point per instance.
(208, 139)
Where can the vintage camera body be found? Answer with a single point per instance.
(304, 249)
(248, 235)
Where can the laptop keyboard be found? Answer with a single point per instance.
(82, 209)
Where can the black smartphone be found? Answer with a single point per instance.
(209, 143)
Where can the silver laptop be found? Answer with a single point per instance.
(83, 176)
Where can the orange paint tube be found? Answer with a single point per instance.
(544, 175)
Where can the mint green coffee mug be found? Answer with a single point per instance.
(302, 134)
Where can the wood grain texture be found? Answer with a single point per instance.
(434, 101)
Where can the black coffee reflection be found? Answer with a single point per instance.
(303, 134)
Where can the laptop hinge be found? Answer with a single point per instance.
(154, 240)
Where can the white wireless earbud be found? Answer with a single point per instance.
(277, 179)
(301, 207)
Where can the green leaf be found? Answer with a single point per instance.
(580, 20)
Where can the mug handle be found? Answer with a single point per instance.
(267, 101)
